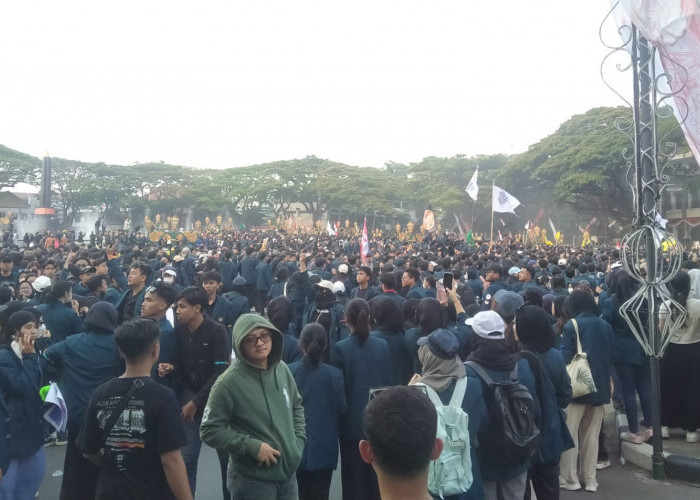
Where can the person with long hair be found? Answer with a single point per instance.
(559, 312)
(365, 362)
(431, 316)
(584, 415)
(630, 360)
(20, 380)
(533, 329)
(323, 398)
(680, 367)
(60, 311)
(388, 323)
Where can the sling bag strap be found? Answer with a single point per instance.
(138, 383)
(579, 349)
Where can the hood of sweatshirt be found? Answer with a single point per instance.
(249, 322)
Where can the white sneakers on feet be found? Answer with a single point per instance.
(602, 464)
(664, 432)
(631, 438)
(569, 486)
(648, 434)
(592, 488)
(692, 437)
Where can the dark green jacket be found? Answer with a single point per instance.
(249, 406)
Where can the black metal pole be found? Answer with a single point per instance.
(647, 187)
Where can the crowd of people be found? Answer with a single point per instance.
(284, 352)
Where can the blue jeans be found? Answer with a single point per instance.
(636, 379)
(23, 477)
(190, 452)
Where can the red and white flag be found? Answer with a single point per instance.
(364, 248)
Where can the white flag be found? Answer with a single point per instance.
(527, 225)
(329, 229)
(551, 224)
(472, 188)
(503, 202)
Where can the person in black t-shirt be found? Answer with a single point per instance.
(140, 457)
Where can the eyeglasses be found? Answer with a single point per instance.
(253, 339)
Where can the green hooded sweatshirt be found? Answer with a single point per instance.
(249, 406)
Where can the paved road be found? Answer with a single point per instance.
(615, 483)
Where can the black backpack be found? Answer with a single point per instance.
(513, 436)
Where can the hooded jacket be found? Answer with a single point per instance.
(249, 406)
(86, 360)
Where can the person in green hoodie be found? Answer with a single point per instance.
(254, 413)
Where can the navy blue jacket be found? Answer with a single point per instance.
(61, 320)
(187, 272)
(20, 380)
(228, 270)
(239, 304)
(597, 342)
(338, 330)
(402, 366)
(4, 452)
(247, 270)
(364, 366)
(291, 351)
(491, 291)
(626, 349)
(394, 296)
(84, 361)
(416, 292)
(554, 393)
(474, 406)
(323, 398)
(489, 470)
(263, 276)
(223, 314)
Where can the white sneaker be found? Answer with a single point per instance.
(648, 434)
(602, 464)
(692, 437)
(592, 488)
(631, 438)
(664, 432)
(569, 486)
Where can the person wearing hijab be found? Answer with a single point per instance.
(20, 380)
(494, 354)
(280, 312)
(84, 362)
(388, 323)
(431, 316)
(441, 370)
(533, 329)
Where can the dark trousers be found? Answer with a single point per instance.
(314, 485)
(636, 379)
(223, 463)
(260, 301)
(79, 475)
(545, 481)
(358, 477)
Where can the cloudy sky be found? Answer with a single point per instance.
(231, 83)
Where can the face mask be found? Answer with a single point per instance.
(169, 280)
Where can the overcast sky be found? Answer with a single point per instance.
(232, 83)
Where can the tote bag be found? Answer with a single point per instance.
(579, 370)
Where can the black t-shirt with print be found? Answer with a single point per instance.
(149, 426)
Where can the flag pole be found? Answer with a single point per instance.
(473, 207)
(491, 239)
